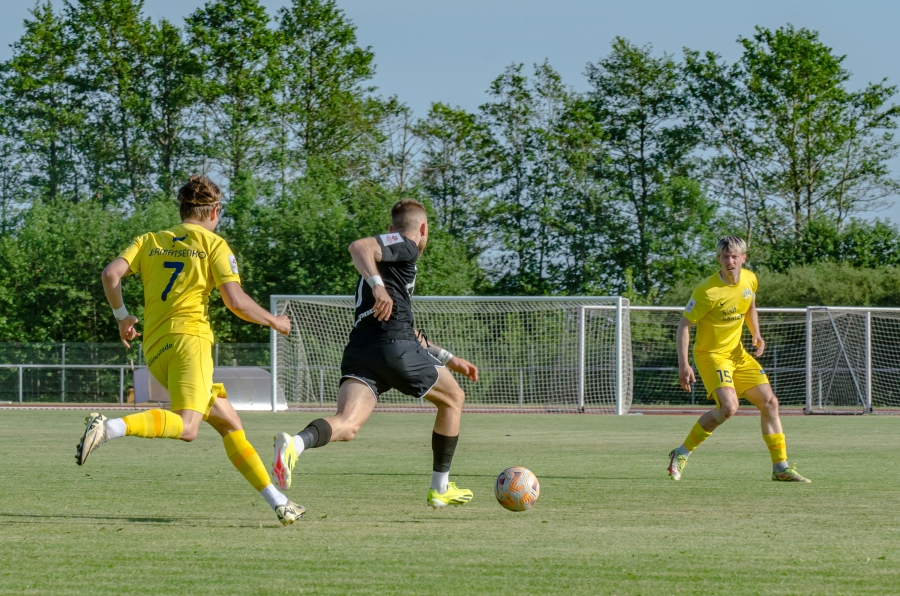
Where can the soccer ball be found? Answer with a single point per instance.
(517, 488)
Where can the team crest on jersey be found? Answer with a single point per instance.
(690, 305)
(392, 238)
(233, 262)
(747, 293)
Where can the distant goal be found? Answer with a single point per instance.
(550, 354)
(852, 356)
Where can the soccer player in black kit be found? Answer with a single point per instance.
(385, 352)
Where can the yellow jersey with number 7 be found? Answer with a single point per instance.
(179, 268)
(718, 310)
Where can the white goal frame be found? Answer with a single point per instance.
(836, 360)
(860, 370)
(586, 304)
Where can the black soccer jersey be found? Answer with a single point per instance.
(397, 269)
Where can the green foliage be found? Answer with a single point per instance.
(860, 244)
(821, 284)
(543, 190)
(322, 74)
(830, 284)
(40, 108)
(664, 221)
(50, 269)
(236, 50)
(791, 143)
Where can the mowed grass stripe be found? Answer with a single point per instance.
(163, 517)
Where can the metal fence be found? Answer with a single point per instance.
(821, 358)
(90, 372)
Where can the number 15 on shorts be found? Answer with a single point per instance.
(725, 376)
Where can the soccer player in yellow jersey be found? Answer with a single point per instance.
(179, 267)
(719, 307)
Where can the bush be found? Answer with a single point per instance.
(822, 284)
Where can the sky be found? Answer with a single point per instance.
(450, 50)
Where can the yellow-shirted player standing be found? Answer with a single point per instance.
(719, 307)
(179, 268)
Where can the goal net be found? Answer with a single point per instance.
(548, 354)
(656, 357)
(853, 364)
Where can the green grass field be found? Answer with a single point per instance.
(163, 517)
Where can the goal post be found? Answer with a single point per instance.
(598, 354)
(852, 365)
(655, 356)
(557, 354)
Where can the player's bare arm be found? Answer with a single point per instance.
(238, 302)
(451, 361)
(112, 286)
(366, 253)
(753, 325)
(683, 342)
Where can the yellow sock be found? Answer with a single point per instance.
(777, 447)
(246, 460)
(152, 424)
(695, 437)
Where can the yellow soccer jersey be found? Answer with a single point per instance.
(718, 311)
(179, 268)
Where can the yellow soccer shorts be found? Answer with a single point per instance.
(183, 365)
(738, 370)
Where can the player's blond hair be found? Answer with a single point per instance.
(407, 213)
(198, 198)
(731, 244)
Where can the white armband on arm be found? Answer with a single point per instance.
(375, 280)
(121, 312)
(441, 354)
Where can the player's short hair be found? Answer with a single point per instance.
(731, 244)
(198, 198)
(407, 213)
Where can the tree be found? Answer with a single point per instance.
(859, 244)
(236, 51)
(113, 65)
(791, 143)
(452, 171)
(648, 165)
(395, 156)
(173, 83)
(40, 108)
(11, 182)
(50, 268)
(322, 94)
(530, 169)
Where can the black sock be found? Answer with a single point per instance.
(443, 448)
(316, 434)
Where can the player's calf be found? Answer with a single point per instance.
(149, 424)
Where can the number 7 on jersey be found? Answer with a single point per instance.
(178, 268)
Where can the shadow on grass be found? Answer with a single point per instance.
(12, 518)
(9, 519)
(543, 477)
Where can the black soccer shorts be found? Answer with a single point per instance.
(399, 364)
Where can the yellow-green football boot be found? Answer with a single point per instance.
(677, 462)
(453, 496)
(789, 475)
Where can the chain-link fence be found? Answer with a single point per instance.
(90, 372)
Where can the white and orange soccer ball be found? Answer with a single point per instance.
(517, 488)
